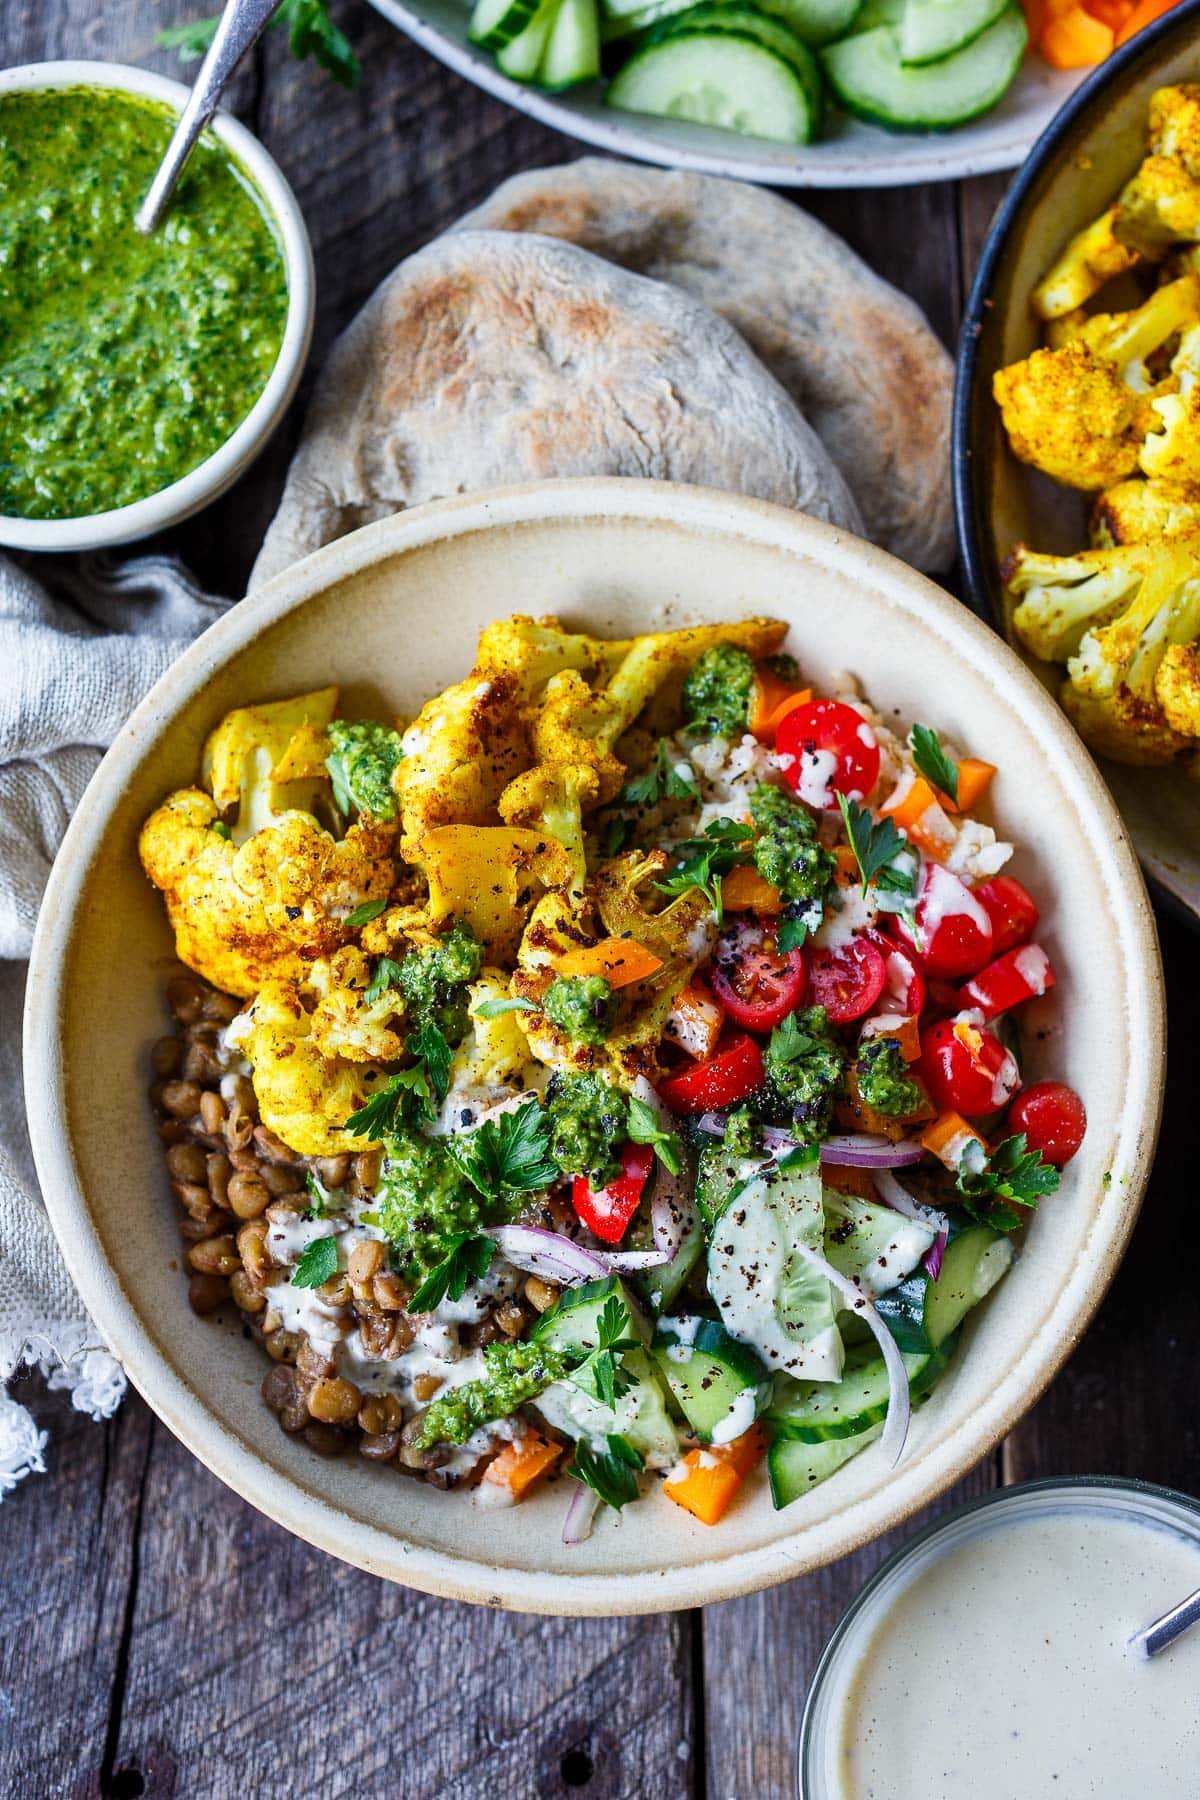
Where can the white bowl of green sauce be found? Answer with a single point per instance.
(139, 377)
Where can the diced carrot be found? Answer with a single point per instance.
(695, 1021)
(916, 808)
(714, 1475)
(1110, 12)
(744, 890)
(974, 780)
(618, 960)
(771, 700)
(1075, 40)
(1141, 16)
(519, 1465)
(946, 1137)
(906, 1032)
(846, 874)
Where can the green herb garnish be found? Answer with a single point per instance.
(318, 1262)
(311, 32)
(704, 860)
(362, 915)
(612, 1475)
(1011, 1173)
(932, 762)
(508, 1153)
(664, 779)
(467, 1259)
(645, 1127)
(875, 843)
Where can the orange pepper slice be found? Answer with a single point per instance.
(618, 960)
(1075, 40)
(714, 1475)
(1141, 16)
(744, 890)
(519, 1465)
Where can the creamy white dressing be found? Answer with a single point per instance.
(1033, 966)
(1001, 1671)
(738, 1419)
(849, 912)
(816, 770)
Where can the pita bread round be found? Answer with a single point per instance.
(858, 357)
(490, 357)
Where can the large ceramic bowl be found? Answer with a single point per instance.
(848, 154)
(392, 614)
(1088, 153)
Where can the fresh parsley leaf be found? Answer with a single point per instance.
(874, 842)
(318, 1261)
(932, 761)
(617, 832)
(704, 860)
(492, 1009)
(612, 1475)
(1012, 1175)
(387, 974)
(410, 1096)
(511, 1151)
(789, 1043)
(311, 32)
(468, 1258)
(667, 777)
(791, 934)
(362, 915)
(645, 1127)
(601, 1375)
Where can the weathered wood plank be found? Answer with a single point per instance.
(68, 1548)
(256, 1663)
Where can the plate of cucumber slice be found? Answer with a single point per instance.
(798, 93)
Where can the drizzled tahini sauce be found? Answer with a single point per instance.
(1001, 1671)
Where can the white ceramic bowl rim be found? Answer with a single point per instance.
(302, 1508)
(156, 511)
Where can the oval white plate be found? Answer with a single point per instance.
(850, 155)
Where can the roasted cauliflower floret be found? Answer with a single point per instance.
(533, 651)
(1113, 615)
(461, 751)
(257, 759)
(304, 1097)
(267, 907)
(356, 1016)
(549, 801)
(1141, 512)
(491, 876)
(1177, 689)
(1081, 413)
(495, 1051)
(1157, 208)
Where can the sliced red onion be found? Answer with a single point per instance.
(711, 1122)
(673, 1214)
(628, 1262)
(899, 1412)
(857, 1150)
(901, 1201)
(548, 1254)
(578, 1523)
(933, 1258)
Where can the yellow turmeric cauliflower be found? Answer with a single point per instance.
(346, 1022)
(303, 1096)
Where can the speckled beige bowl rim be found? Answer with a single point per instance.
(302, 1508)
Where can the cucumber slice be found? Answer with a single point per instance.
(869, 79)
(816, 22)
(572, 53)
(734, 83)
(521, 57)
(639, 1414)
(875, 13)
(658, 1287)
(744, 21)
(614, 25)
(816, 1410)
(495, 23)
(794, 1468)
(872, 1244)
(932, 29)
(573, 1322)
(971, 1267)
(715, 1379)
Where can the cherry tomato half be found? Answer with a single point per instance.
(966, 1068)
(1012, 910)
(1053, 1118)
(1019, 975)
(904, 991)
(734, 1073)
(608, 1210)
(954, 932)
(848, 980)
(834, 749)
(759, 983)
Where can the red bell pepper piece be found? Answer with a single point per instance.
(608, 1210)
(1019, 975)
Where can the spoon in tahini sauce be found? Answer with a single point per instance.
(1164, 1631)
(242, 24)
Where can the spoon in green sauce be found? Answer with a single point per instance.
(242, 24)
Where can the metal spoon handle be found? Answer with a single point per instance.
(242, 24)
(1164, 1631)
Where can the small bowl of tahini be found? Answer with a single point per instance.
(139, 375)
(993, 1655)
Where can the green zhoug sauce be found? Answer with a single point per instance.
(125, 360)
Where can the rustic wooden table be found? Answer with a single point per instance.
(160, 1637)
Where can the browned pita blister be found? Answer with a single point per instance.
(858, 357)
(490, 357)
